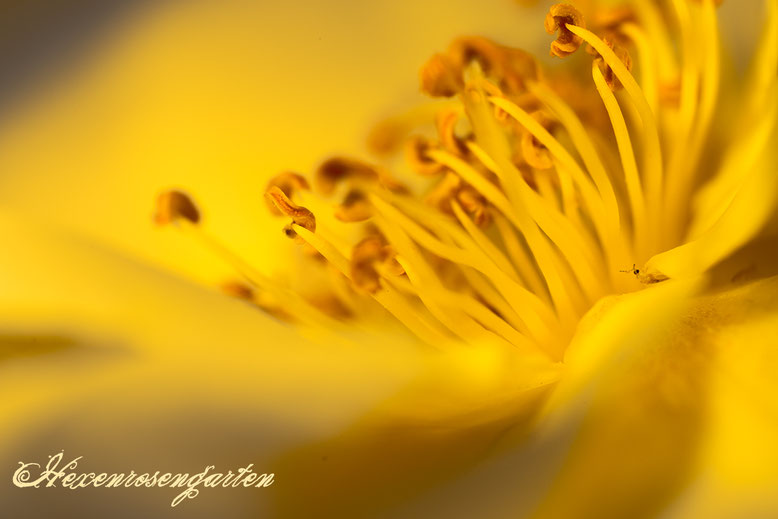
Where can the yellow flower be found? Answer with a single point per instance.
(569, 312)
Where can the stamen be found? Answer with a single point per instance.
(624, 144)
(247, 293)
(652, 150)
(559, 18)
(533, 311)
(288, 182)
(475, 205)
(355, 208)
(484, 242)
(416, 149)
(238, 290)
(173, 206)
(446, 122)
(523, 262)
(387, 297)
(467, 50)
(621, 52)
(336, 170)
(510, 67)
(585, 147)
(300, 215)
(681, 176)
(521, 219)
(480, 313)
(364, 257)
(533, 151)
(388, 136)
(648, 62)
(590, 196)
(441, 77)
(518, 230)
(285, 301)
(426, 282)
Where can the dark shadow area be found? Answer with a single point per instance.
(55, 350)
(41, 38)
(21, 346)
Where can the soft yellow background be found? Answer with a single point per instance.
(216, 97)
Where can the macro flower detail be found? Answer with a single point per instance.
(508, 220)
(547, 289)
(524, 212)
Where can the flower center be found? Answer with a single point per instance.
(532, 192)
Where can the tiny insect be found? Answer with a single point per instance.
(647, 279)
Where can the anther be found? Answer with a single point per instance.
(446, 123)
(443, 192)
(300, 215)
(557, 19)
(535, 154)
(355, 207)
(364, 256)
(467, 49)
(335, 170)
(174, 205)
(288, 182)
(238, 290)
(475, 205)
(416, 149)
(441, 76)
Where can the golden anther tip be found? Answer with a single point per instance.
(446, 122)
(475, 205)
(300, 215)
(509, 67)
(557, 19)
(466, 49)
(416, 153)
(386, 137)
(355, 208)
(364, 256)
(440, 77)
(338, 169)
(238, 290)
(289, 182)
(519, 67)
(534, 153)
(174, 205)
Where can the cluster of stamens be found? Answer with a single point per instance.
(522, 193)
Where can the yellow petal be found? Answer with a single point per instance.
(667, 404)
(132, 368)
(737, 473)
(443, 425)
